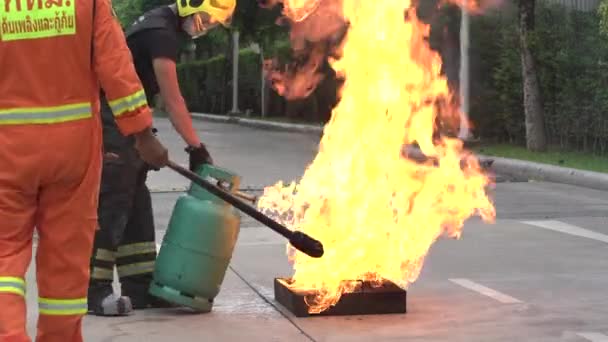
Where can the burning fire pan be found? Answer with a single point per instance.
(365, 300)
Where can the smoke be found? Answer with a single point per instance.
(475, 7)
(316, 31)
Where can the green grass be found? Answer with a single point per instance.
(575, 160)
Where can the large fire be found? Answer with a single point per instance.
(376, 211)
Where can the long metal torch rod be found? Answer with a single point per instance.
(299, 240)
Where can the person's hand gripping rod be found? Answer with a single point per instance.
(299, 240)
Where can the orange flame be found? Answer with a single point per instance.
(376, 212)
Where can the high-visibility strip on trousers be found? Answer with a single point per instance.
(105, 255)
(102, 264)
(13, 285)
(136, 248)
(59, 307)
(46, 115)
(136, 258)
(126, 225)
(136, 268)
(49, 180)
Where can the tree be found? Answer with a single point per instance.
(129, 10)
(602, 12)
(536, 137)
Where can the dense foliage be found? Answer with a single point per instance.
(206, 88)
(572, 70)
(571, 48)
(129, 10)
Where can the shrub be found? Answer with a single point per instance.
(207, 87)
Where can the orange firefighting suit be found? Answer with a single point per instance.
(54, 55)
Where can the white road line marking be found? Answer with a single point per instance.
(593, 336)
(568, 229)
(486, 291)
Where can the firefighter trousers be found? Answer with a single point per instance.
(49, 181)
(126, 237)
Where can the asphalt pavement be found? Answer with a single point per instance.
(537, 274)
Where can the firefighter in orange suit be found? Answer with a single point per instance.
(54, 56)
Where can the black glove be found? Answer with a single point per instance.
(198, 156)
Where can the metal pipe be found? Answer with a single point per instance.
(299, 240)
(464, 72)
(235, 72)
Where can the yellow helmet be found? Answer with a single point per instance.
(220, 10)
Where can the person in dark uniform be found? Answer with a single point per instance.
(126, 236)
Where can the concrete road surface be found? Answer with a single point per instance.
(537, 274)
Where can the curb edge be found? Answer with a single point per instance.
(507, 166)
(280, 126)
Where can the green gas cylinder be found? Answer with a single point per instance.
(198, 244)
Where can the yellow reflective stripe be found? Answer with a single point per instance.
(45, 114)
(12, 289)
(13, 285)
(137, 268)
(13, 280)
(104, 255)
(128, 103)
(136, 248)
(37, 19)
(102, 273)
(53, 306)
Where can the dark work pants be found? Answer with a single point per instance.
(126, 236)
